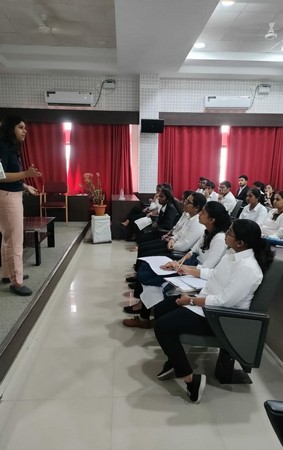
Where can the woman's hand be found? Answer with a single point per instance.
(31, 190)
(170, 244)
(171, 265)
(183, 300)
(33, 172)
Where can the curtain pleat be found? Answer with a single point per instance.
(45, 148)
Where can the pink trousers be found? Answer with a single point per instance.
(11, 227)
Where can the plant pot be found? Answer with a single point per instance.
(98, 209)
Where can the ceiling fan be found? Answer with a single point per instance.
(47, 25)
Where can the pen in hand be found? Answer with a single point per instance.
(181, 263)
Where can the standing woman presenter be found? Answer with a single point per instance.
(12, 134)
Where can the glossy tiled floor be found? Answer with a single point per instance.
(84, 382)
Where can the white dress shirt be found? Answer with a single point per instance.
(258, 214)
(209, 258)
(229, 202)
(233, 282)
(213, 196)
(273, 228)
(188, 235)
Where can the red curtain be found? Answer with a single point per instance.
(185, 153)
(104, 149)
(251, 151)
(45, 148)
(276, 177)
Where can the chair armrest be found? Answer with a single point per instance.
(241, 333)
(274, 410)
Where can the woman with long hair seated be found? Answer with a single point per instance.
(206, 254)
(273, 224)
(232, 284)
(254, 210)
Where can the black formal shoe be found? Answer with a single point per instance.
(132, 285)
(131, 279)
(7, 280)
(23, 290)
(130, 310)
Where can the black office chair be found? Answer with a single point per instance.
(237, 210)
(239, 334)
(274, 410)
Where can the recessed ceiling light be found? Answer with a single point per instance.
(199, 45)
(227, 3)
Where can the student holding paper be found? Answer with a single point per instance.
(228, 286)
(209, 249)
(205, 255)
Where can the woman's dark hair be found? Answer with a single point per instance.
(222, 222)
(276, 215)
(249, 232)
(199, 200)
(167, 186)
(259, 184)
(7, 128)
(168, 193)
(255, 192)
(187, 193)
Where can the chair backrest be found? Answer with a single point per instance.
(236, 211)
(270, 285)
(55, 187)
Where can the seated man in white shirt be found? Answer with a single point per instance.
(226, 197)
(201, 185)
(209, 192)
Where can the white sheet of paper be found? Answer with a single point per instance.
(156, 261)
(151, 295)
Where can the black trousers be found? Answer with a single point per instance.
(171, 321)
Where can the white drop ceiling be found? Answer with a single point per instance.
(124, 37)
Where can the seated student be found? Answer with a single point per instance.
(140, 211)
(273, 224)
(269, 194)
(243, 189)
(254, 210)
(184, 235)
(226, 197)
(260, 186)
(228, 286)
(167, 218)
(201, 185)
(206, 253)
(209, 192)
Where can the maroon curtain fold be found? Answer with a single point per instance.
(45, 148)
(104, 149)
(251, 152)
(185, 153)
(276, 177)
(121, 160)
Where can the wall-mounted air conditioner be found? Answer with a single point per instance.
(236, 103)
(66, 98)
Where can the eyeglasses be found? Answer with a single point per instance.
(188, 202)
(230, 233)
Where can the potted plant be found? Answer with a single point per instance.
(94, 192)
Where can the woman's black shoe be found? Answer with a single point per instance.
(130, 310)
(131, 279)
